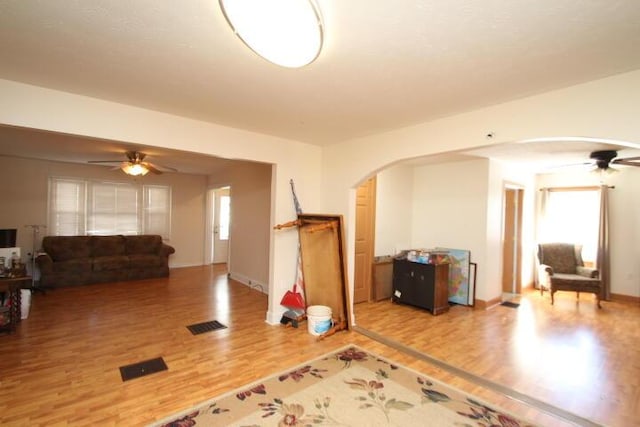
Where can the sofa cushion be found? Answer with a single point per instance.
(78, 265)
(108, 263)
(146, 244)
(107, 246)
(144, 261)
(64, 248)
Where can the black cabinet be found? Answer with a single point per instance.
(421, 285)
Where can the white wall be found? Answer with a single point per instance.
(447, 205)
(250, 230)
(450, 210)
(624, 222)
(394, 208)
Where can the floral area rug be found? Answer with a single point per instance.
(348, 387)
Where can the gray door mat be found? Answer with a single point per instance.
(140, 369)
(201, 328)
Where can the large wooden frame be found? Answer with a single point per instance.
(324, 263)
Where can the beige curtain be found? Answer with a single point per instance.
(603, 243)
(540, 230)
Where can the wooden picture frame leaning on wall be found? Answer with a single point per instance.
(324, 266)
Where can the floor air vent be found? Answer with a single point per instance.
(140, 369)
(510, 304)
(201, 328)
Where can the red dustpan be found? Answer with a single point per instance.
(293, 299)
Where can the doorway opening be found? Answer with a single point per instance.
(219, 219)
(512, 242)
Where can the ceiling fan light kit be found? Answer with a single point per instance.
(135, 164)
(285, 32)
(134, 169)
(605, 158)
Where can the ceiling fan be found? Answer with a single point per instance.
(135, 164)
(603, 160)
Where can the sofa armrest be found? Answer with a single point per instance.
(45, 262)
(592, 273)
(167, 250)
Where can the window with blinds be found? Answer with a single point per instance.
(572, 216)
(84, 207)
(157, 209)
(67, 207)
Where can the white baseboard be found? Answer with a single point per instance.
(182, 265)
(253, 284)
(273, 318)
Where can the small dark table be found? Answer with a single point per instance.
(12, 286)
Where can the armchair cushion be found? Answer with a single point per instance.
(559, 256)
(587, 272)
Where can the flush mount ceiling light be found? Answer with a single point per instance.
(285, 32)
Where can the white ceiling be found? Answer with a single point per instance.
(36, 144)
(385, 64)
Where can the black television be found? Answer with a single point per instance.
(8, 238)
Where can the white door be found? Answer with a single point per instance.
(221, 221)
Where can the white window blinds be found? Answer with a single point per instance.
(67, 207)
(157, 210)
(79, 207)
(113, 209)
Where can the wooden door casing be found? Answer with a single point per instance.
(364, 241)
(511, 247)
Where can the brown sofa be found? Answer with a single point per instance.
(80, 260)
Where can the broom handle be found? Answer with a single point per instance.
(295, 198)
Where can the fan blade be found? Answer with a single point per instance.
(105, 161)
(166, 168)
(628, 161)
(151, 168)
(567, 166)
(159, 167)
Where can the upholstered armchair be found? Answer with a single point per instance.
(562, 269)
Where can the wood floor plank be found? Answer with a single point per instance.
(61, 366)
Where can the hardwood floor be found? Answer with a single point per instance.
(61, 366)
(570, 355)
